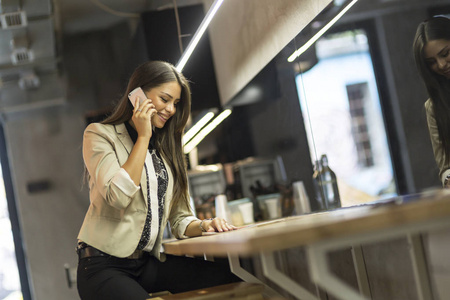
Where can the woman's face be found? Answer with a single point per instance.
(437, 56)
(165, 98)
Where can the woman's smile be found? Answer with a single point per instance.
(165, 98)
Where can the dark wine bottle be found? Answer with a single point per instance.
(317, 181)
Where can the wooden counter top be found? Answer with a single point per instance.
(312, 228)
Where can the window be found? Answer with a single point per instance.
(357, 94)
(343, 118)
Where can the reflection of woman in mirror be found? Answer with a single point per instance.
(138, 182)
(432, 55)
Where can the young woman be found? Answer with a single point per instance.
(137, 182)
(432, 56)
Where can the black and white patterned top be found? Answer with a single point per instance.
(162, 183)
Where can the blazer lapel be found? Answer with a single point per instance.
(127, 142)
(124, 137)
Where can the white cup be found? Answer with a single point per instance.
(222, 210)
(272, 208)
(247, 212)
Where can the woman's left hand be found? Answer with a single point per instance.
(220, 225)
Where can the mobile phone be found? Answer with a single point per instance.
(136, 94)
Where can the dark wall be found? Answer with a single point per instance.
(161, 36)
(100, 67)
(235, 138)
(277, 128)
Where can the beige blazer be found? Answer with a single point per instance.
(444, 169)
(118, 208)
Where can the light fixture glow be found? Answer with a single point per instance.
(198, 34)
(205, 131)
(308, 44)
(196, 128)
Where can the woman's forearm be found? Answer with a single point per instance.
(193, 229)
(135, 162)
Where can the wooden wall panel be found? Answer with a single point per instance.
(246, 34)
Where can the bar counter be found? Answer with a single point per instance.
(321, 233)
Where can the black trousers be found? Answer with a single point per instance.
(112, 278)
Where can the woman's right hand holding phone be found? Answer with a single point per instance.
(141, 118)
(142, 114)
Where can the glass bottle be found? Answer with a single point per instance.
(317, 181)
(329, 185)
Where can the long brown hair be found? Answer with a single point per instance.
(169, 138)
(438, 86)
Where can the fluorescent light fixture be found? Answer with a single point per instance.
(205, 131)
(308, 44)
(196, 128)
(198, 34)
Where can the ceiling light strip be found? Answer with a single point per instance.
(198, 34)
(308, 44)
(205, 131)
(196, 128)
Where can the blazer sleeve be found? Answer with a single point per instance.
(180, 217)
(438, 149)
(106, 175)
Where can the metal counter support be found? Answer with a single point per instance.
(271, 272)
(361, 271)
(235, 267)
(322, 276)
(421, 274)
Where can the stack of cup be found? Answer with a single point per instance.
(301, 200)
